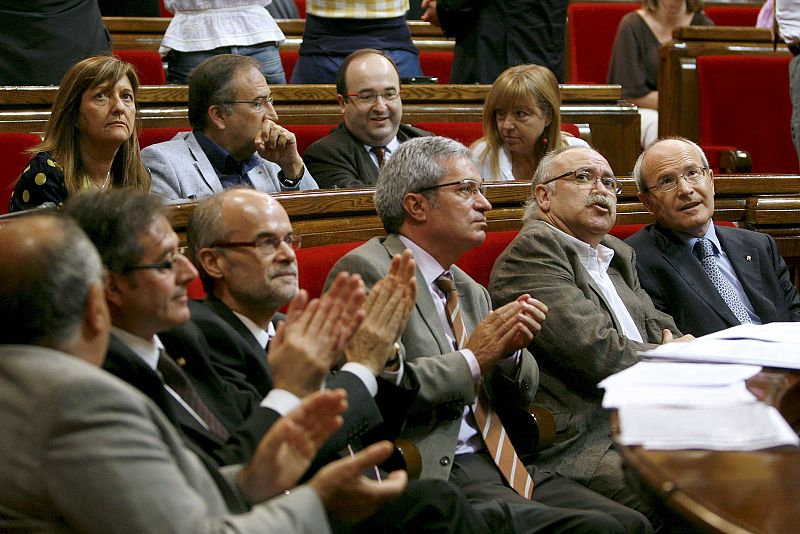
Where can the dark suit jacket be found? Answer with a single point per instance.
(339, 160)
(678, 285)
(237, 410)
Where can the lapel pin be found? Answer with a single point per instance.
(181, 361)
(748, 258)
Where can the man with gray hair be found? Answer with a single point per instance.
(599, 317)
(707, 277)
(235, 138)
(83, 451)
(471, 362)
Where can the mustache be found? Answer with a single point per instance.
(607, 202)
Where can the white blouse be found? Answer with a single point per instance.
(506, 175)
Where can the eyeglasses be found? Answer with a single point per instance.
(670, 183)
(467, 188)
(368, 97)
(258, 104)
(266, 245)
(584, 179)
(167, 265)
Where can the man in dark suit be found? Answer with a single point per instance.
(78, 440)
(368, 87)
(429, 197)
(744, 280)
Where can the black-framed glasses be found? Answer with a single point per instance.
(695, 175)
(166, 265)
(584, 179)
(267, 244)
(466, 188)
(368, 97)
(258, 104)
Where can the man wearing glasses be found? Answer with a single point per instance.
(707, 277)
(368, 87)
(471, 362)
(599, 317)
(235, 139)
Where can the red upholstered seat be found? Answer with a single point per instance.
(14, 159)
(164, 11)
(733, 15)
(479, 261)
(744, 102)
(148, 65)
(591, 30)
(463, 132)
(301, 8)
(308, 133)
(289, 60)
(314, 264)
(151, 136)
(623, 231)
(436, 64)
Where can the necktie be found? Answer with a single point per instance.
(176, 379)
(704, 249)
(380, 153)
(494, 435)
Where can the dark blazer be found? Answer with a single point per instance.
(339, 160)
(678, 285)
(237, 410)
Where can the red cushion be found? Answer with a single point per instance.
(463, 132)
(148, 65)
(195, 289)
(623, 231)
(590, 39)
(733, 15)
(744, 102)
(436, 64)
(301, 8)
(164, 11)
(479, 261)
(305, 134)
(13, 154)
(289, 60)
(151, 136)
(314, 264)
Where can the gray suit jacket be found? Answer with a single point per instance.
(181, 170)
(445, 379)
(678, 285)
(83, 451)
(580, 343)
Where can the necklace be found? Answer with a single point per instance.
(105, 184)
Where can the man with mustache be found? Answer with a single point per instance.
(747, 280)
(599, 316)
(368, 87)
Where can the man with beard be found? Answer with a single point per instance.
(599, 317)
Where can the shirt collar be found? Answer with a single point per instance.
(390, 147)
(602, 255)
(427, 264)
(261, 335)
(221, 159)
(711, 235)
(146, 349)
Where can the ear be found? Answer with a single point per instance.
(647, 202)
(210, 262)
(548, 118)
(416, 207)
(96, 319)
(217, 116)
(542, 195)
(711, 180)
(341, 100)
(114, 289)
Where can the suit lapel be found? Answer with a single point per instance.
(229, 317)
(203, 165)
(746, 263)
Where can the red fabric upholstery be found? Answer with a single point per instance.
(164, 12)
(590, 38)
(623, 231)
(195, 289)
(148, 65)
(14, 160)
(314, 264)
(289, 60)
(733, 15)
(436, 64)
(308, 133)
(463, 132)
(744, 102)
(301, 8)
(151, 136)
(479, 261)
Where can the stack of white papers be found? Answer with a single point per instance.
(665, 405)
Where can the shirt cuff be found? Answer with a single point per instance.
(395, 377)
(363, 374)
(291, 183)
(474, 366)
(281, 401)
(509, 365)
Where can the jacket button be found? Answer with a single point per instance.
(525, 385)
(444, 460)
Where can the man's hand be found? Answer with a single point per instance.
(430, 14)
(387, 309)
(286, 450)
(277, 144)
(667, 337)
(306, 345)
(348, 495)
(506, 330)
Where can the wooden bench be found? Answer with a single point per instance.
(614, 123)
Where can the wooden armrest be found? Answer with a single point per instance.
(405, 456)
(531, 430)
(546, 424)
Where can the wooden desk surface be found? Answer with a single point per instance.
(731, 492)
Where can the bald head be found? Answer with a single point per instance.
(46, 281)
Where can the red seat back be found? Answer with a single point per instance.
(308, 133)
(744, 102)
(301, 9)
(591, 30)
(288, 60)
(733, 15)
(148, 65)
(478, 262)
(463, 132)
(151, 136)
(13, 147)
(164, 11)
(436, 64)
(314, 264)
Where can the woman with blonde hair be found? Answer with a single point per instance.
(90, 139)
(521, 123)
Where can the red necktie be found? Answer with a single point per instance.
(380, 153)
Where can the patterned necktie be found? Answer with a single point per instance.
(494, 435)
(704, 250)
(380, 153)
(176, 379)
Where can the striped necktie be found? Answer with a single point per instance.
(494, 435)
(380, 153)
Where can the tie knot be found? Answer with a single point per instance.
(380, 153)
(704, 248)
(445, 284)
